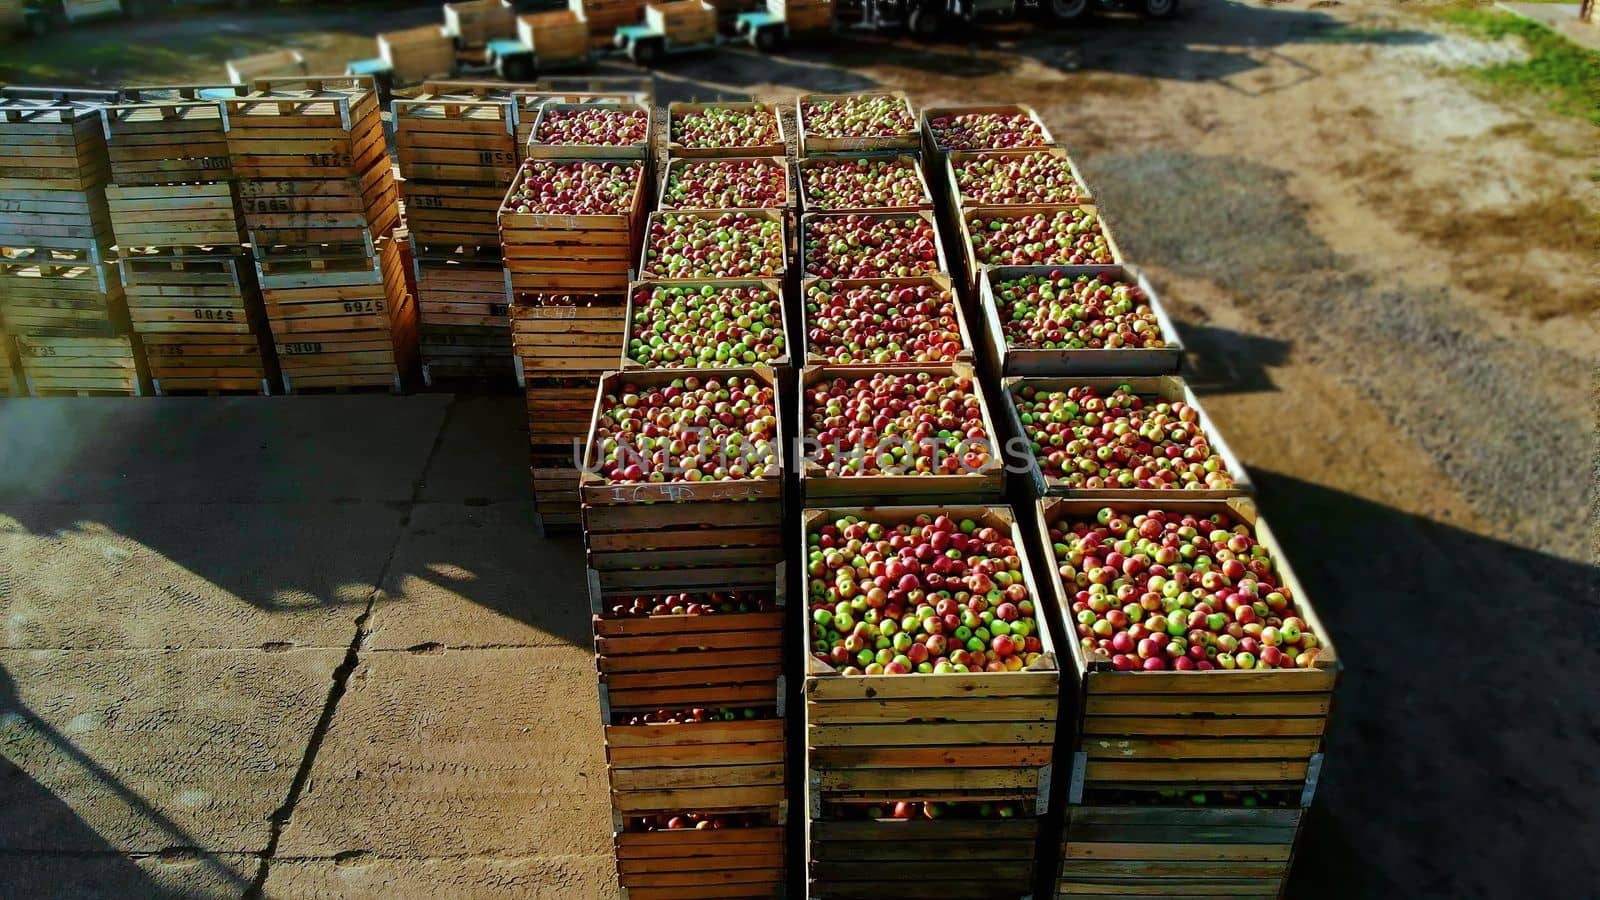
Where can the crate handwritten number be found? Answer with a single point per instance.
(214, 315)
(302, 348)
(363, 306)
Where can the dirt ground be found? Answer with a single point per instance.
(1388, 280)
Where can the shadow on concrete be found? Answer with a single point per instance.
(1223, 361)
(1465, 719)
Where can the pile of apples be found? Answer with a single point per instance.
(593, 126)
(1058, 312)
(690, 821)
(881, 323)
(730, 245)
(1001, 178)
(684, 604)
(695, 715)
(756, 183)
(929, 596)
(913, 423)
(862, 182)
(1160, 590)
(870, 246)
(1066, 237)
(720, 127)
(574, 188)
(702, 326)
(1121, 440)
(860, 116)
(987, 131)
(691, 429)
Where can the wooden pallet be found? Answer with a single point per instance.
(805, 167)
(817, 487)
(567, 337)
(51, 145)
(982, 736)
(972, 271)
(1005, 359)
(1257, 730)
(676, 168)
(537, 148)
(782, 364)
(83, 366)
(64, 219)
(169, 136)
(814, 353)
(417, 53)
(556, 254)
(458, 141)
(814, 144)
(1167, 388)
(1165, 851)
(678, 534)
(555, 37)
(968, 859)
(935, 150)
(175, 215)
(477, 22)
(678, 111)
(708, 864)
(61, 292)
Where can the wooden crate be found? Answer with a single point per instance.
(936, 150)
(50, 145)
(682, 21)
(555, 37)
(708, 864)
(951, 192)
(477, 22)
(58, 219)
(464, 353)
(272, 64)
(10, 382)
(705, 767)
(555, 497)
(462, 311)
(1246, 730)
(187, 363)
(83, 366)
(1164, 851)
(204, 293)
(676, 166)
(984, 485)
(451, 215)
(460, 141)
(773, 286)
(941, 266)
(178, 215)
(640, 88)
(982, 736)
(972, 271)
(813, 144)
(603, 17)
(805, 167)
(1169, 388)
(417, 53)
(770, 215)
(61, 292)
(814, 355)
(681, 535)
(165, 141)
(529, 101)
(569, 336)
(555, 254)
(559, 412)
(301, 211)
(338, 332)
(535, 149)
(967, 858)
(803, 16)
(1005, 359)
(676, 112)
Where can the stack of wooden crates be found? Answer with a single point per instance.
(60, 297)
(189, 280)
(456, 144)
(321, 208)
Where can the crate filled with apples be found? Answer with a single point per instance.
(757, 182)
(871, 245)
(683, 479)
(1247, 839)
(706, 757)
(1034, 236)
(708, 245)
(690, 325)
(572, 225)
(1070, 320)
(852, 123)
(701, 130)
(701, 854)
(1013, 126)
(1187, 614)
(969, 849)
(602, 130)
(889, 322)
(1046, 177)
(864, 182)
(930, 669)
(1120, 439)
(878, 436)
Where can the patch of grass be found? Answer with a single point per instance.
(1569, 74)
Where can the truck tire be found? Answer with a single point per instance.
(767, 40)
(1068, 10)
(925, 23)
(645, 53)
(1158, 9)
